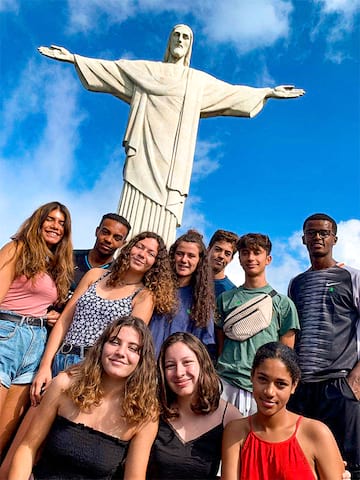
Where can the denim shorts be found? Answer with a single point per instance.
(63, 361)
(21, 349)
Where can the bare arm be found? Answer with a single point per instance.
(220, 339)
(42, 421)
(43, 376)
(328, 461)
(139, 451)
(57, 53)
(288, 338)
(354, 380)
(143, 306)
(7, 268)
(230, 453)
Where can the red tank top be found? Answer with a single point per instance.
(262, 460)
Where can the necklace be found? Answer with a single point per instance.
(130, 283)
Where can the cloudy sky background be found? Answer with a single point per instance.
(297, 157)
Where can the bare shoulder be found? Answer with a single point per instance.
(8, 252)
(237, 429)
(60, 383)
(94, 274)
(232, 413)
(314, 429)
(144, 294)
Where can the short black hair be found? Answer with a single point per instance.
(116, 218)
(321, 216)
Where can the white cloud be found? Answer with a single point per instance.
(336, 21)
(206, 159)
(39, 170)
(245, 25)
(248, 25)
(9, 6)
(91, 15)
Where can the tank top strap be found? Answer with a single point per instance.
(298, 423)
(250, 422)
(138, 290)
(103, 275)
(224, 412)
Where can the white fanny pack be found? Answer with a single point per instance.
(250, 318)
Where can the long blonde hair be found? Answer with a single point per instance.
(140, 401)
(33, 256)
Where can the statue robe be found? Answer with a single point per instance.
(167, 100)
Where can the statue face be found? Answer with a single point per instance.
(180, 42)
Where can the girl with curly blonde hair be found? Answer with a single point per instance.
(36, 269)
(99, 417)
(140, 280)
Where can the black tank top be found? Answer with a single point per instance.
(172, 458)
(74, 451)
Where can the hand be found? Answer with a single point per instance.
(346, 475)
(58, 53)
(52, 317)
(286, 91)
(354, 380)
(40, 383)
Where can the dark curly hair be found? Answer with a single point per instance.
(160, 279)
(203, 306)
(208, 390)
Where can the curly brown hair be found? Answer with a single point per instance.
(202, 281)
(160, 279)
(33, 256)
(208, 388)
(140, 401)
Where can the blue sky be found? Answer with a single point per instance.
(266, 174)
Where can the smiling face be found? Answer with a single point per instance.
(186, 257)
(52, 229)
(110, 235)
(143, 255)
(220, 255)
(319, 238)
(182, 369)
(272, 386)
(121, 353)
(254, 260)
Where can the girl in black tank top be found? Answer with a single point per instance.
(188, 442)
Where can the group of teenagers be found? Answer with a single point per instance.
(120, 366)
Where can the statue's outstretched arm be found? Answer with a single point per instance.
(286, 91)
(58, 53)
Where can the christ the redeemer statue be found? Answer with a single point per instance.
(166, 99)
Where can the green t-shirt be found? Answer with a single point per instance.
(235, 361)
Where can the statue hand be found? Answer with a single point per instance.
(58, 53)
(286, 91)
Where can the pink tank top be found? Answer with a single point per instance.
(262, 460)
(29, 298)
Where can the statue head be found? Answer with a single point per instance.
(179, 45)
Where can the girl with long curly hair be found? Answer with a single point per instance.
(35, 272)
(189, 260)
(139, 282)
(193, 416)
(98, 418)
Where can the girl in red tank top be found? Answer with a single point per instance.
(275, 444)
